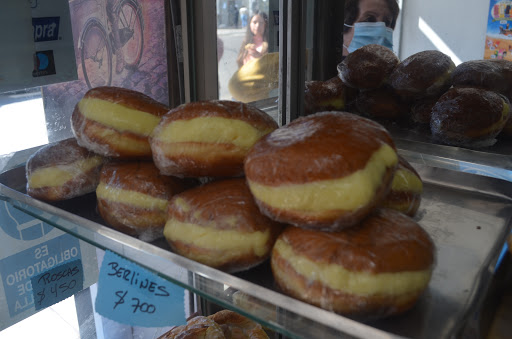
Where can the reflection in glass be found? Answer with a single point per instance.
(247, 50)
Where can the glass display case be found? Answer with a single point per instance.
(193, 53)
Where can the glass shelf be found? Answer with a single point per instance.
(467, 215)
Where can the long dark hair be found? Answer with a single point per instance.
(249, 36)
(352, 12)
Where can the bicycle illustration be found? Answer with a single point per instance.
(123, 35)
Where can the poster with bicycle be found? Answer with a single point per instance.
(117, 43)
(498, 40)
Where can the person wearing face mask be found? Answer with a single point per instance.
(369, 22)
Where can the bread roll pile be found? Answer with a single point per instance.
(324, 197)
(466, 105)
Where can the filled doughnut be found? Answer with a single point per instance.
(368, 67)
(324, 171)
(116, 122)
(381, 103)
(469, 117)
(218, 224)
(236, 326)
(426, 73)
(406, 189)
(62, 170)
(491, 74)
(376, 269)
(133, 197)
(421, 110)
(329, 95)
(208, 138)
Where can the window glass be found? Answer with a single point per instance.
(247, 49)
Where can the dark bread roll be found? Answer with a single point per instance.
(426, 73)
(368, 67)
(62, 170)
(381, 103)
(329, 95)
(469, 117)
(116, 122)
(491, 74)
(324, 171)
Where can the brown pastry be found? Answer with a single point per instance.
(491, 74)
(62, 170)
(421, 110)
(425, 73)
(469, 117)
(406, 189)
(368, 67)
(236, 326)
(324, 171)
(376, 269)
(208, 138)
(199, 327)
(218, 224)
(133, 197)
(329, 95)
(116, 122)
(381, 103)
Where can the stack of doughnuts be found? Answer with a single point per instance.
(326, 175)
(324, 197)
(428, 91)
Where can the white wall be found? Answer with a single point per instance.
(454, 27)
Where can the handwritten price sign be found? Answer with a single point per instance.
(57, 284)
(130, 294)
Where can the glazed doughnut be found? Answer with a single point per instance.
(116, 122)
(376, 269)
(406, 189)
(133, 197)
(208, 138)
(324, 171)
(368, 67)
(236, 326)
(199, 327)
(426, 73)
(421, 110)
(381, 103)
(218, 224)
(469, 117)
(62, 170)
(492, 74)
(329, 95)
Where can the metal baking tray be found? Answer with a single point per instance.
(467, 215)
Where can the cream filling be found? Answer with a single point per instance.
(359, 283)
(405, 180)
(348, 193)
(229, 241)
(59, 175)
(133, 198)
(211, 130)
(120, 117)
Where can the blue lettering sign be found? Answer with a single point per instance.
(130, 294)
(46, 29)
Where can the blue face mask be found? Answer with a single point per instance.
(366, 33)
